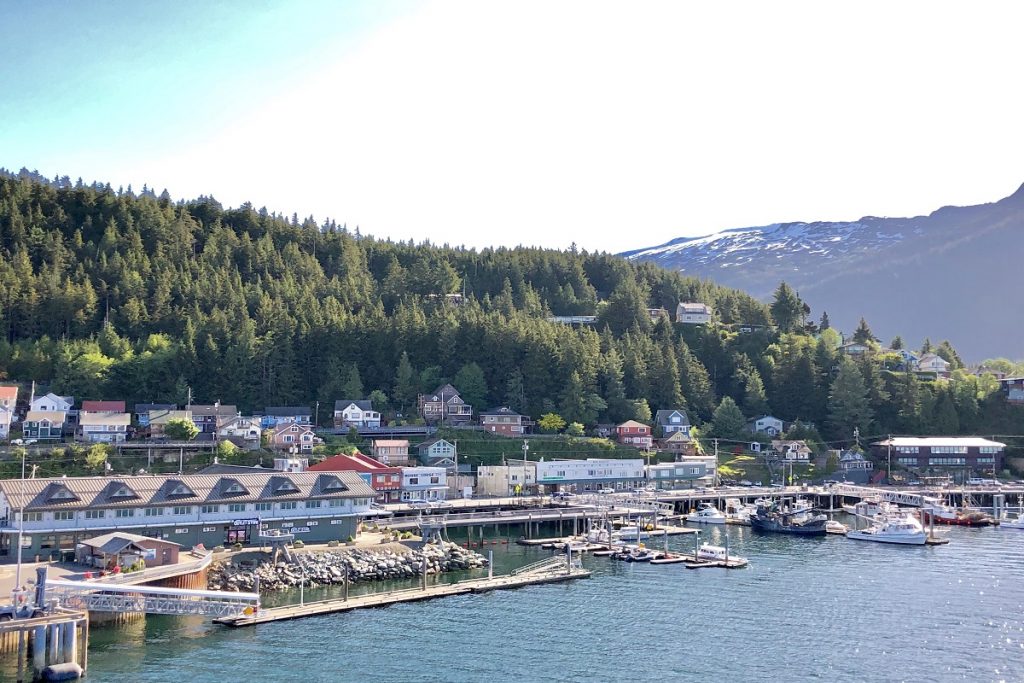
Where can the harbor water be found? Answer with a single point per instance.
(825, 609)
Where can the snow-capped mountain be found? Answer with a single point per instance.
(952, 274)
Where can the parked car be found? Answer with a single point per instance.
(16, 442)
(606, 491)
(562, 495)
(440, 504)
(744, 482)
(419, 505)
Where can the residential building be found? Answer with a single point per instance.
(94, 427)
(445, 405)
(693, 313)
(1013, 388)
(671, 421)
(276, 415)
(687, 472)
(59, 513)
(289, 436)
(854, 467)
(604, 431)
(766, 424)
(964, 454)
(424, 483)
(392, 451)
(157, 420)
(797, 451)
(8, 401)
(437, 448)
(515, 477)
(124, 550)
(291, 463)
(656, 314)
(244, 432)
(103, 407)
(355, 413)
(505, 421)
(854, 348)
(385, 480)
(44, 425)
(142, 411)
(678, 442)
(210, 418)
(931, 363)
(590, 475)
(635, 434)
(52, 402)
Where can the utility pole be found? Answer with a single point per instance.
(717, 478)
(888, 467)
(21, 522)
(526, 449)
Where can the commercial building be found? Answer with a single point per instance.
(689, 472)
(384, 480)
(513, 478)
(952, 454)
(592, 474)
(213, 510)
(424, 483)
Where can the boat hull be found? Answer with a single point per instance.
(956, 521)
(706, 520)
(896, 540)
(771, 526)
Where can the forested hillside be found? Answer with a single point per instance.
(113, 294)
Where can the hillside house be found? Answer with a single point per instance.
(244, 432)
(103, 407)
(356, 413)
(95, 427)
(1013, 389)
(672, 421)
(44, 425)
(289, 435)
(678, 442)
(693, 313)
(142, 411)
(8, 401)
(797, 451)
(392, 451)
(210, 418)
(933, 364)
(52, 402)
(766, 424)
(505, 421)
(158, 419)
(854, 348)
(276, 415)
(635, 434)
(444, 405)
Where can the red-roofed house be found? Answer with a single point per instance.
(385, 480)
(103, 407)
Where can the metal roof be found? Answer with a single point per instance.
(117, 541)
(94, 419)
(933, 441)
(189, 489)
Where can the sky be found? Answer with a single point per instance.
(612, 125)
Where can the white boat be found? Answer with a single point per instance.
(737, 512)
(903, 529)
(597, 535)
(1012, 523)
(871, 507)
(716, 553)
(834, 527)
(630, 533)
(706, 514)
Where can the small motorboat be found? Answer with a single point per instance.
(834, 527)
(903, 529)
(706, 513)
(1012, 523)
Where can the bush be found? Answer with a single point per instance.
(332, 544)
(298, 544)
(237, 546)
(351, 539)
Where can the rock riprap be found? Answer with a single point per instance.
(327, 568)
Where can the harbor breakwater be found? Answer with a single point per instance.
(387, 562)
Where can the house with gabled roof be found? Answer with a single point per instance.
(276, 415)
(103, 406)
(99, 427)
(635, 434)
(505, 421)
(8, 401)
(292, 437)
(693, 313)
(671, 421)
(931, 363)
(678, 442)
(142, 411)
(52, 402)
(158, 419)
(392, 451)
(444, 404)
(244, 432)
(210, 418)
(188, 509)
(384, 479)
(358, 413)
(765, 424)
(44, 425)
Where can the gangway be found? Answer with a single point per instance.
(101, 597)
(900, 497)
(554, 564)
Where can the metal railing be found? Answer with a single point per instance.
(102, 597)
(157, 573)
(549, 564)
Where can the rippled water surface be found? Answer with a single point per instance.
(825, 609)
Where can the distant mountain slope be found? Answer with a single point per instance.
(957, 273)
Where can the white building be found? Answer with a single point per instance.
(355, 413)
(591, 474)
(693, 313)
(52, 403)
(104, 427)
(687, 472)
(424, 483)
(766, 424)
(507, 480)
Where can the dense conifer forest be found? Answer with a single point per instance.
(110, 293)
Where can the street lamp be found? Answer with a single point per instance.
(526, 449)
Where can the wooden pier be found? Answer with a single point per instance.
(409, 595)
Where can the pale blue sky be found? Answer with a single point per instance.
(615, 125)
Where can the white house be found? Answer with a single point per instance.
(854, 348)
(103, 427)
(358, 414)
(766, 424)
(52, 403)
(592, 474)
(424, 483)
(8, 400)
(929, 362)
(241, 431)
(693, 313)
(792, 450)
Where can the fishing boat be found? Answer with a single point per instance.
(782, 520)
(871, 507)
(706, 513)
(944, 514)
(736, 512)
(902, 529)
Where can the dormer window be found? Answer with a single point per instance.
(123, 491)
(61, 494)
(332, 484)
(234, 489)
(181, 490)
(286, 487)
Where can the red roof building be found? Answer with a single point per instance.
(385, 480)
(103, 407)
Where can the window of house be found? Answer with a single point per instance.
(337, 503)
(264, 507)
(182, 509)
(312, 504)
(95, 514)
(125, 512)
(63, 515)
(47, 541)
(210, 509)
(414, 480)
(236, 507)
(154, 512)
(288, 505)
(435, 480)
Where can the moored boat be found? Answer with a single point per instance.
(784, 521)
(834, 527)
(706, 513)
(902, 529)
(944, 514)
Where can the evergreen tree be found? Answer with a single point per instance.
(352, 386)
(946, 420)
(863, 334)
(897, 343)
(825, 322)
(787, 309)
(946, 352)
(404, 392)
(728, 422)
(515, 393)
(754, 400)
(472, 385)
(848, 406)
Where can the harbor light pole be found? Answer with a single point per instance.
(526, 449)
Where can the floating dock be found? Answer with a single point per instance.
(409, 595)
(654, 534)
